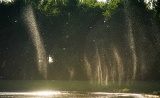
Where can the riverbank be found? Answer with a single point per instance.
(150, 87)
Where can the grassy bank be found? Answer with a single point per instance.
(37, 85)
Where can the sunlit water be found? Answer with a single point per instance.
(73, 94)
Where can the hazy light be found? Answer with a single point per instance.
(88, 67)
(101, 0)
(132, 47)
(119, 63)
(151, 3)
(46, 93)
(9, 0)
(36, 38)
(6, 1)
(50, 59)
(131, 41)
(38, 93)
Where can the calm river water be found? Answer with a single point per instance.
(72, 94)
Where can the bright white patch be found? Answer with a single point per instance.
(39, 93)
(6, 1)
(46, 93)
(101, 0)
(50, 59)
(39, 61)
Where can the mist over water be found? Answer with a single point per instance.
(131, 41)
(120, 66)
(110, 51)
(119, 56)
(37, 40)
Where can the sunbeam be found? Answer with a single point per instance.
(38, 43)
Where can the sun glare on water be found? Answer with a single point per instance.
(36, 93)
(46, 93)
(62, 94)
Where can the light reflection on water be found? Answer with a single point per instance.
(73, 94)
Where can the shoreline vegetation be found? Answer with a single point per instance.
(150, 87)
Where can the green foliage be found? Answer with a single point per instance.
(66, 7)
(56, 11)
(113, 5)
(125, 90)
(107, 14)
(51, 7)
(156, 92)
(110, 8)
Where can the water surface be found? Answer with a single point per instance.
(62, 94)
